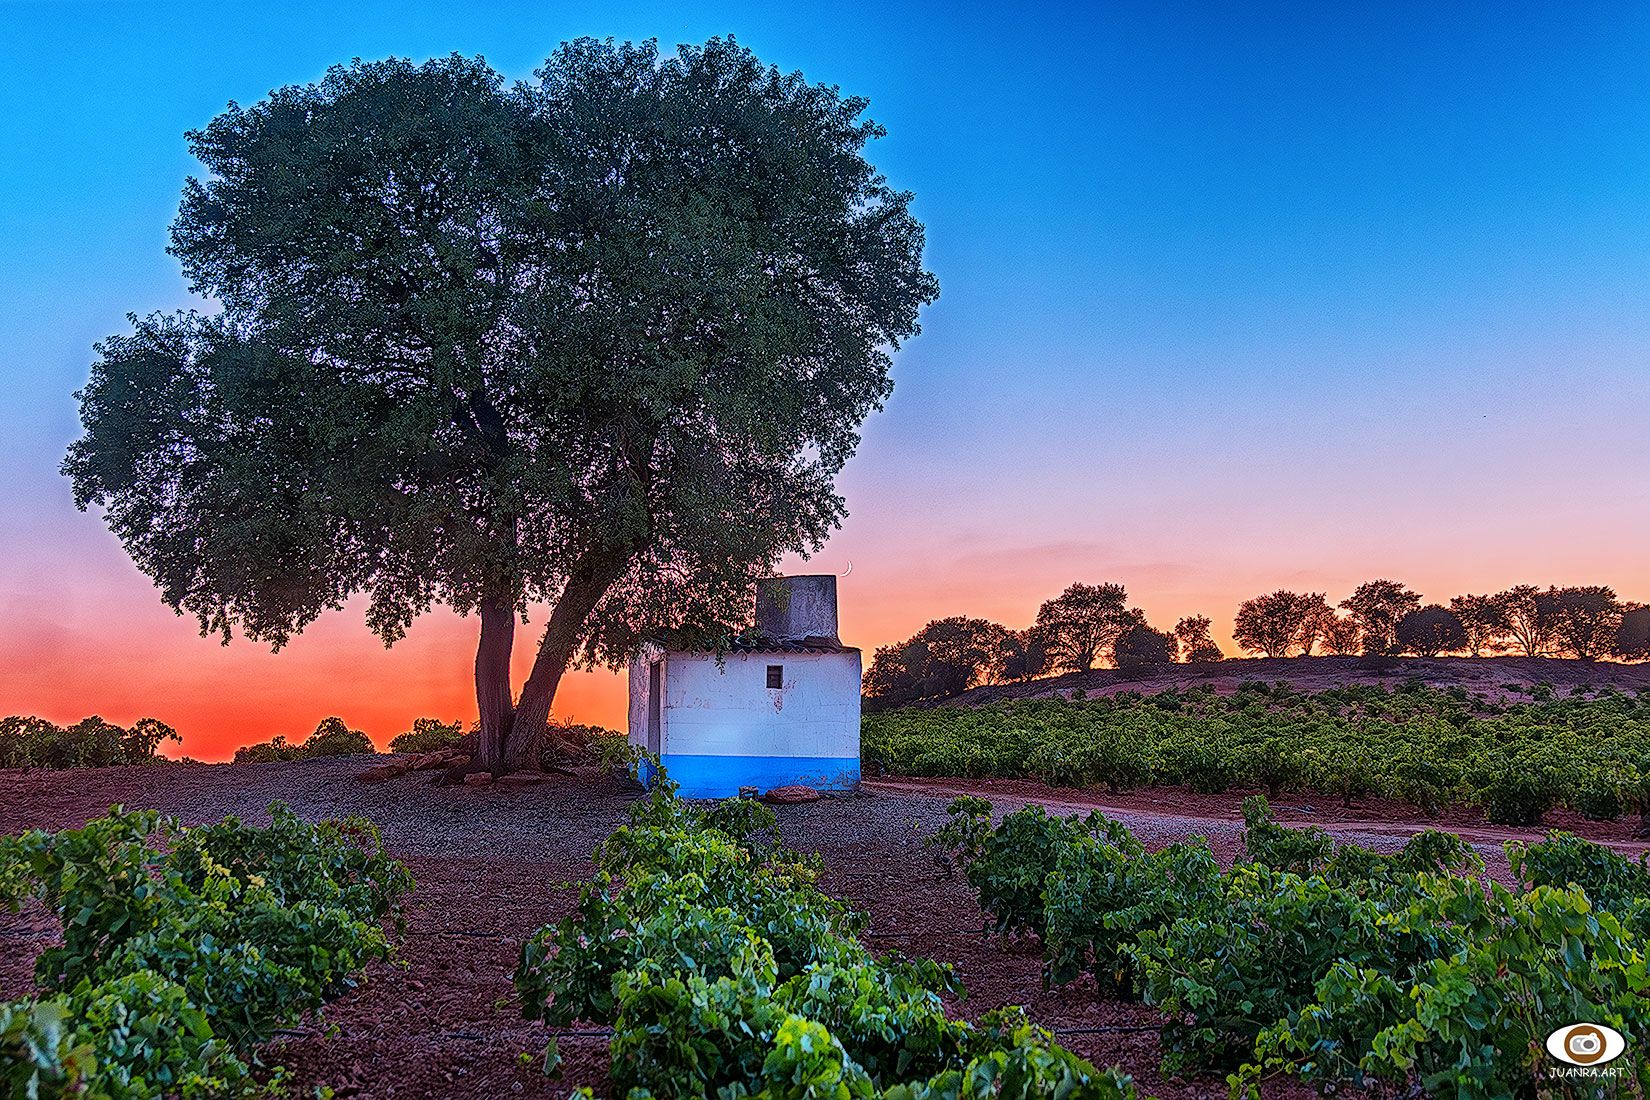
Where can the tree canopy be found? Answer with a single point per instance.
(1141, 648)
(946, 657)
(1194, 641)
(1483, 621)
(1585, 620)
(1430, 630)
(1082, 623)
(1633, 635)
(1377, 606)
(1529, 615)
(1276, 622)
(600, 340)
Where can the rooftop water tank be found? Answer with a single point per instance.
(795, 609)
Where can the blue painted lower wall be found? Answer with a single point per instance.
(722, 776)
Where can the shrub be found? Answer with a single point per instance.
(1237, 963)
(1342, 964)
(1514, 794)
(1429, 747)
(427, 735)
(1468, 1022)
(27, 742)
(1564, 860)
(1303, 851)
(1276, 763)
(41, 1054)
(272, 751)
(1600, 793)
(725, 971)
(183, 949)
(1102, 892)
(1014, 860)
(331, 738)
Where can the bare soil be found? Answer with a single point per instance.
(494, 864)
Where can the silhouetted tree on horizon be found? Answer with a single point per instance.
(1196, 644)
(1633, 633)
(1585, 620)
(1377, 606)
(1530, 616)
(1483, 621)
(1026, 655)
(1429, 631)
(1317, 618)
(1272, 623)
(1341, 635)
(946, 657)
(1140, 648)
(1081, 624)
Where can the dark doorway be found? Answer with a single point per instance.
(655, 705)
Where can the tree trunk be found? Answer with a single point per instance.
(584, 591)
(493, 695)
(512, 732)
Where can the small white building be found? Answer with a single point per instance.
(782, 709)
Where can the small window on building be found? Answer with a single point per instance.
(776, 676)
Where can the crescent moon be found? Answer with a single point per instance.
(848, 570)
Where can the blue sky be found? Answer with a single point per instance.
(1233, 295)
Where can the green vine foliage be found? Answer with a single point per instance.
(1427, 747)
(1470, 1021)
(185, 949)
(1336, 964)
(331, 738)
(725, 971)
(28, 742)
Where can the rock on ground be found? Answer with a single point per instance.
(791, 795)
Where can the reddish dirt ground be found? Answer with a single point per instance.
(493, 865)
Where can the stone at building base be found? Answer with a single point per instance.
(791, 795)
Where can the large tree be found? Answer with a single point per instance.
(601, 340)
(1585, 620)
(1193, 640)
(1377, 606)
(946, 657)
(1633, 635)
(1340, 635)
(1483, 619)
(1429, 631)
(1530, 615)
(1025, 655)
(1140, 649)
(1082, 623)
(1317, 621)
(1276, 622)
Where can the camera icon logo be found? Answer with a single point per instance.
(1586, 1044)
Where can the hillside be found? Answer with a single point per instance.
(1493, 677)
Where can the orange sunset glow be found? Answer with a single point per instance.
(1214, 319)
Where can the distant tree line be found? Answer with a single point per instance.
(1075, 631)
(1386, 618)
(1088, 624)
